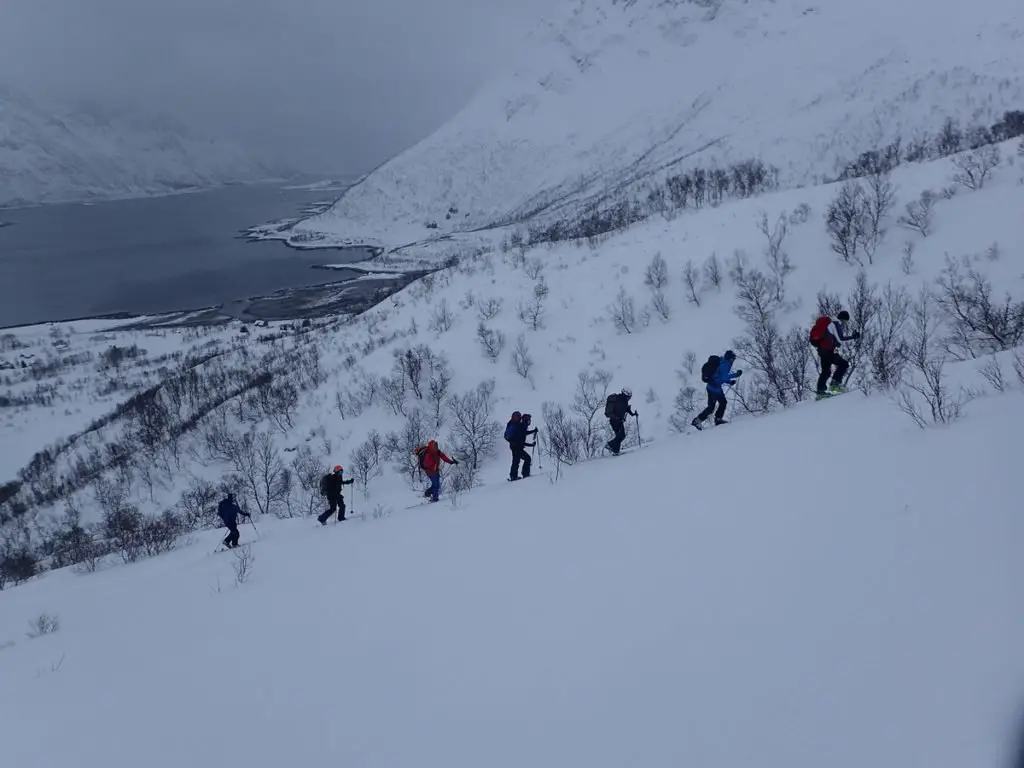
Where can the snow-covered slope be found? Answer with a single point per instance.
(611, 93)
(56, 153)
(828, 586)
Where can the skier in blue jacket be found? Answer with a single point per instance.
(229, 511)
(717, 379)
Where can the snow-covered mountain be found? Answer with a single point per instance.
(57, 153)
(612, 94)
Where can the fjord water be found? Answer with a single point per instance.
(150, 255)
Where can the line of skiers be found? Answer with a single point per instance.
(826, 336)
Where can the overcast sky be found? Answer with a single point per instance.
(331, 85)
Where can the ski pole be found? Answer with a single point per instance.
(254, 528)
(639, 442)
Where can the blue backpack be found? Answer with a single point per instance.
(510, 430)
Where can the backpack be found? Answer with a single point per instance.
(819, 331)
(710, 368)
(421, 454)
(323, 484)
(510, 430)
(611, 406)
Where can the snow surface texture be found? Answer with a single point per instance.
(825, 586)
(57, 154)
(615, 92)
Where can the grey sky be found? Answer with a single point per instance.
(331, 85)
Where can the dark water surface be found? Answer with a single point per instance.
(152, 255)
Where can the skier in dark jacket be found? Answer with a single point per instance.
(517, 431)
(330, 487)
(827, 336)
(616, 409)
(716, 383)
(229, 511)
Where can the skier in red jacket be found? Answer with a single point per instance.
(430, 458)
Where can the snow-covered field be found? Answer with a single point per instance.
(609, 98)
(56, 153)
(827, 585)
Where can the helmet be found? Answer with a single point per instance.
(516, 416)
(729, 355)
(627, 391)
(338, 469)
(527, 417)
(844, 316)
(432, 445)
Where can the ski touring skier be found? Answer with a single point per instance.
(716, 373)
(331, 488)
(517, 431)
(229, 511)
(616, 408)
(430, 457)
(827, 335)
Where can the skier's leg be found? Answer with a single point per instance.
(513, 472)
(435, 486)
(232, 537)
(341, 508)
(720, 411)
(712, 401)
(619, 427)
(825, 358)
(326, 515)
(527, 461)
(842, 366)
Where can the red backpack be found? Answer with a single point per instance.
(820, 337)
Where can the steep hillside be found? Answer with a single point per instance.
(825, 586)
(55, 153)
(548, 330)
(612, 96)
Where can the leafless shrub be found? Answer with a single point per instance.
(918, 216)
(159, 534)
(691, 279)
(993, 374)
(492, 342)
(244, 561)
(392, 390)
(879, 201)
(522, 360)
(488, 309)
(656, 274)
(438, 389)
(925, 396)
(975, 167)
(308, 470)
(259, 470)
(473, 426)
(713, 271)
(885, 337)
(531, 313)
(1018, 362)
(907, 262)
(690, 361)
(43, 624)
(563, 436)
(588, 406)
(442, 319)
(684, 404)
(977, 323)
(367, 458)
(779, 264)
(846, 221)
(623, 312)
(533, 267)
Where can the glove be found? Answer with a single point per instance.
(739, 373)
(529, 445)
(247, 514)
(455, 461)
